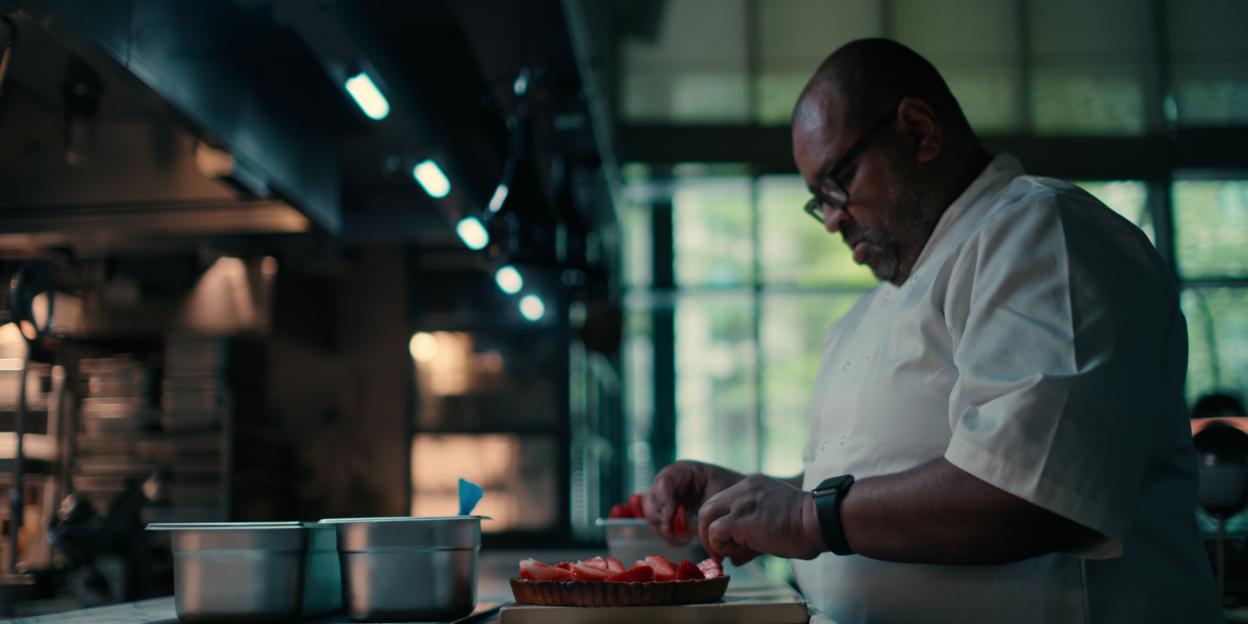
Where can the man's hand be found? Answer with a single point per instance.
(686, 483)
(759, 515)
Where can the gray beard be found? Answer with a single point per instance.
(901, 237)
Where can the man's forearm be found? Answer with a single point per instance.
(795, 481)
(938, 513)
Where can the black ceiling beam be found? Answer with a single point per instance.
(768, 150)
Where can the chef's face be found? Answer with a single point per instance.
(881, 187)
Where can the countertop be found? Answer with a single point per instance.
(493, 590)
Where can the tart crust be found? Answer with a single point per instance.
(603, 594)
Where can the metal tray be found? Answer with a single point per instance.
(237, 572)
(409, 568)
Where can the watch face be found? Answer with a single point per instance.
(831, 486)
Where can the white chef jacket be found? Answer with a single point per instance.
(1037, 345)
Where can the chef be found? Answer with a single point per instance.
(997, 431)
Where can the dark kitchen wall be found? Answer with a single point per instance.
(340, 384)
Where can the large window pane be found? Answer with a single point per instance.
(692, 69)
(635, 231)
(973, 44)
(715, 387)
(1093, 66)
(792, 334)
(712, 230)
(638, 351)
(1209, 57)
(1127, 198)
(1217, 330)
(794, 36)
(796, 249)
(1211, 227)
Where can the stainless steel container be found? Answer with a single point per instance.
(237, 571)
(409, 568)
(322, 581)
(632, 539)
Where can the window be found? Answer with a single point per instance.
(1127, 198)
(1217, 335)
(746, 343)
(1211, 228)
(715, 374)
(974, 44)
(794, 249)
(1209, 57)
(711, 223)
(693, 69)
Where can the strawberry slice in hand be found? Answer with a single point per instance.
(679, 523)
(636, 574)
(535, 570)
(663, 569)
(687, 571)
(711, 567)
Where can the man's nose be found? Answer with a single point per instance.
(834, 218)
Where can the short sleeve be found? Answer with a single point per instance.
(1056, 316)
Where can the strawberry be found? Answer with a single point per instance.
(582, 572)
(596, 562)
(634, 506)
(535, 570)
(636, 574)
(663, 569)
(565, 565)
(711, 567)
(620, 510)
(679, 523)
(687, 571)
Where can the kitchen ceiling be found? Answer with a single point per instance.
(118, 106)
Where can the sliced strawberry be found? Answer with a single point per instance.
(565, 565)
(596, 562)
(636, 574)
(620, 510)
(614, 565)
(535, 570)
(634, 506)
(680, 524)
(581, 572)
(687, 571)
(711, 567)
(663, 569)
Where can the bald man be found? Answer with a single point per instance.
(997, 431)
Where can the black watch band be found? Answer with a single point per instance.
(828, 496)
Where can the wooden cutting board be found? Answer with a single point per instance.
(756, 602)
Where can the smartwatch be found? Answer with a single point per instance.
(828, 496)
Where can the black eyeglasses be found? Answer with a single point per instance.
(830, 192)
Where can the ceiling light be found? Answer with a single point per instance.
(431, 178)
(509, 279)
(423, 347)
(500, 196)
(532, 308)
(472, 233)
(368, 96)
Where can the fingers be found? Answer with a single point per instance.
(727, 536)
(712, 510)
(660, 502)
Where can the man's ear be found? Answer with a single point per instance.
(921, 128)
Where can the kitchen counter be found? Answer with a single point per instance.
(493, 590)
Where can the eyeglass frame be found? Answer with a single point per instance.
(823, 195)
